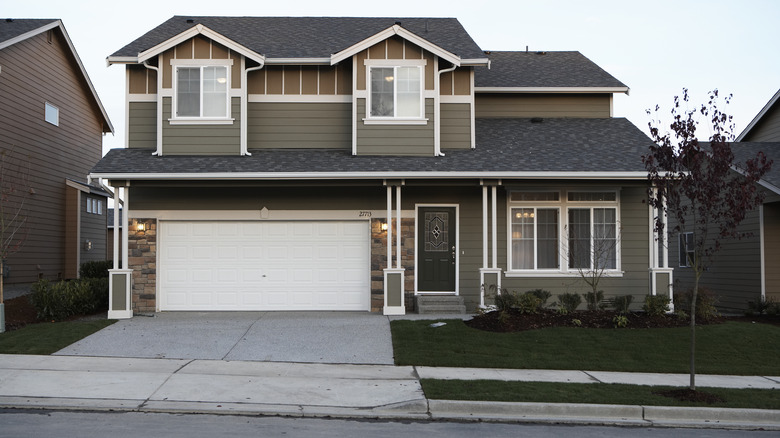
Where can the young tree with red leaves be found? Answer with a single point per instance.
(699, 187)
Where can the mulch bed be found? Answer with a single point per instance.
(514, 321)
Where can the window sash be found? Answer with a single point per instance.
(202, 92)
(396, 92)
(685, 246)
(593, 240)
(535, 238)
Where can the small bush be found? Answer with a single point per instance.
(620, 321)
(761, 307)
(59, 301)
(97, 269)
(528, 303)
(593, 300)
(543, 296)
(656, 305)
(705, 303)
(505, 300)
(568, 302)
(622, 303)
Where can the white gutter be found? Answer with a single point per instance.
(159, 107)
(245, 106)
(437, 108)
(372, 175)
(577, 90)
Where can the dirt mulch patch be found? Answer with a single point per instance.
(514, 321)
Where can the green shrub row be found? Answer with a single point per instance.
(61, 300)
(97, 269)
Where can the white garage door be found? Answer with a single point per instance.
(268, 265)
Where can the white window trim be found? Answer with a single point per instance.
(683, 263)
(55, 112)
(201, 63)
(592, 206)
(563, 205)
(394, 64)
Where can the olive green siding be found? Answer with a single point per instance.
(202, 139)
(142, 125)
(119, 291)
(768, 129)
(300, 125)
(734, 275)
(772, 250)
(394, 288)
(394, 139)
(94, 228)
(541, 105)
(455, 126)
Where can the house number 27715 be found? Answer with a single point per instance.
(364, 214)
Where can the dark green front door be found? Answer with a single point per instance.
(436, 249)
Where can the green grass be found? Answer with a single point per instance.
(730, 348)
(596, 393)
(48, 337)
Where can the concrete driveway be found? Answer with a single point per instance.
(315, 337)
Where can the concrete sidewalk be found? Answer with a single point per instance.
(330, 390)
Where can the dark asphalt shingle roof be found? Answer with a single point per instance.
(542, 69)
(309, 37)
(19, 26)
(503, 145)
(744, 151)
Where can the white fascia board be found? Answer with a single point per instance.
(208, 33)
(759, 116)
(551, 90)
(475, 62)
(371, 175)
(111, 60)
(387, 33)
(58, 24)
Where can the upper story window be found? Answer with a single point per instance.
(94, 206)
(202, 93)
(396, 92)
(51, 114)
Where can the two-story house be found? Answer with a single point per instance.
(354, 163)
(51, 132)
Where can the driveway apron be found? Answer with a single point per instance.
(315, 337)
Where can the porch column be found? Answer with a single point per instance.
(661, 275)
(394, 277)
(490, 277)
(119, 285)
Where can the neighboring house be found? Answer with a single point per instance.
(269, 160)
(51, 128)
(746, 269)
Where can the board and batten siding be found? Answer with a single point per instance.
(299, 80)
(393, 139)
(35, 71)
(217, 139)
(455, 125)
(491, 105)
(768, 129)
(299, 125)
(142, 125)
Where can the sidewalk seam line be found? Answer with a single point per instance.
(143, 403)
(240, 338)
(591, 376)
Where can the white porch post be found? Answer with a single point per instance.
(661, 275)
(120, 280)
(394, 277)
(490, 277)
(494, 230)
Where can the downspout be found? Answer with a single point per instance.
(437, 117)
(245, 108)
(159, 107)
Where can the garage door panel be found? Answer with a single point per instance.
(264, 265)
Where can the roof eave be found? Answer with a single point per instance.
(572, 175)
(569, 90)
(387, 33)
(198, 29)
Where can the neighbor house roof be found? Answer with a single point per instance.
(305, 37)
(544, 71)
(15, 30)
(759, 116)
(506, 148)
(744, 151)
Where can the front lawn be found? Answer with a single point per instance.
(48, 337)
(592, 393)
(738, 348)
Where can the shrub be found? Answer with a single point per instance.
(58, 301)
(593, 299)
(97, 269)
(622, 303)
(760, 307)
(528, 303)
(705, 303)
(543, 296)
(505, 300)
(568, 302)
(656, 305)
(620, 321)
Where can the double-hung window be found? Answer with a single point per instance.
(593, 230)
(686, 249)
(396, 92)
(534, 231)
(202, 92)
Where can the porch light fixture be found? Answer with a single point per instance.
(384, 226)
(141, 226)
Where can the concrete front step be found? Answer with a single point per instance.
(429, 304)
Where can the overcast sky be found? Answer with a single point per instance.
(655, 47)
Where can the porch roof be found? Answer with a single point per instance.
(505, 148)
